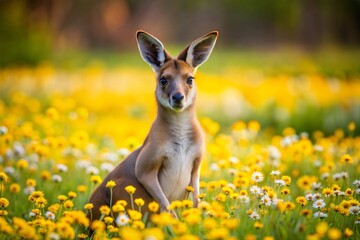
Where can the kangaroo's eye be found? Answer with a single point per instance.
(163, 81)
(190, 81)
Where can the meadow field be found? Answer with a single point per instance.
(282, 152)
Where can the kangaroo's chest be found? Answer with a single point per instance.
(178, 159)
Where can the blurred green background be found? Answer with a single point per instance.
(32, 31)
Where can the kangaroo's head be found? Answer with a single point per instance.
(175, 88)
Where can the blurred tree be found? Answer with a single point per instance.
(30, 29)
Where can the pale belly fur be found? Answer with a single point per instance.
(175, 174)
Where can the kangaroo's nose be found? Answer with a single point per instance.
(177, 97)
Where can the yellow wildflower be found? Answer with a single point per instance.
(110, 184)
(153, 206)
(4, 203)
(139, 202)
(130, 189)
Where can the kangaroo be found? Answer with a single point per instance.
(170, 157)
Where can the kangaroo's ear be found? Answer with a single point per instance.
(151, 50)
(199, 51)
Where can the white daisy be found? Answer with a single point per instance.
(56, 178)
(316, 186)
(309, 197)
(107, 167)
(29, 189)
(318, 204)
(357, 183)
(266, 200)
(280, 182)
(275, 173)
(254, 216)
(255, 190)
(257, 177)
(320, 215)
(62, 167)
(50, 215)
(122, 219)
(354, 210)
(244, 199)
(91, 170)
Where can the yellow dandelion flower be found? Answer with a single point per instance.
(52, 113)
(130, 189)
(238, 126)
(139, 202)
(304, 182)
(129, 233)
(351, 126)
(98, 225)
(153, 206)
(82, 188)
(5, 227)
(22, 164)
(134, 215)
(54, 208)
(287, 180)
(204, 206)
(138, 225)
(334, 234)
(62, 198)
(254, 126)
(95, 179)
(4, 203)
(218, 233)
(118, 208)
(122, 203)
(226, 190)
(108, 220)
(88, 206)
(45, 175)
(104, 210)
(301, 200)
(14, 188)
(162, 219)
(179, 228)
(3, 177)
(348, 232)
(349, 192)
(68, 204)
(82, 236)
(175, 205)
(40, 202)
(3, 213)
(347, 159)
(220, 197)
(285, 191)
(31, 182)
(258, 225)
(187, 203)
(189, 189)
(110, 184)
(305, 212)
(322, 228)
(209, 223)
(327, 192)
(201, 196)
(72, 195)
(230, 224)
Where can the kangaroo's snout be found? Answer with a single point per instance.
(177, 97)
